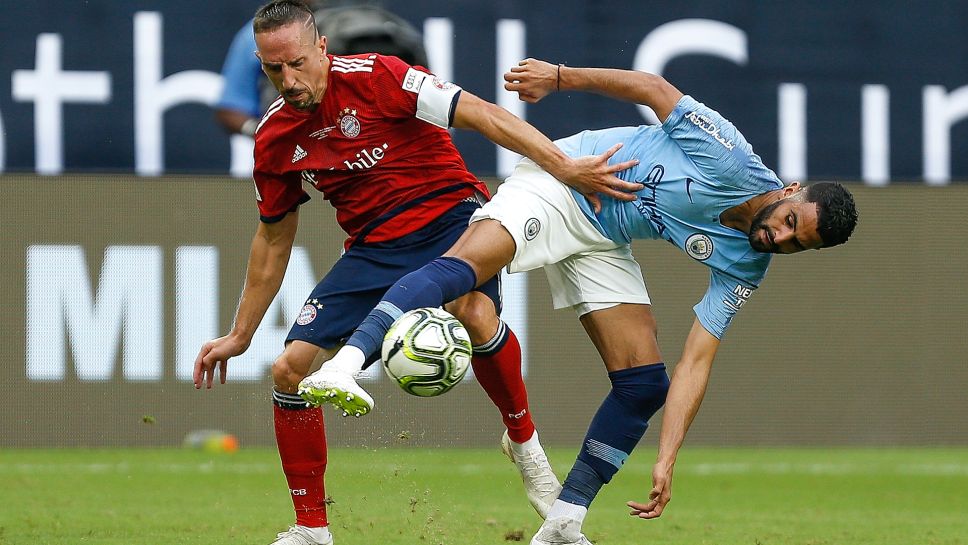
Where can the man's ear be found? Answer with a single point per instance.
(791, 189)
(322, 44)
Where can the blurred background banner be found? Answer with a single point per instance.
(110, 286)
(868, 90)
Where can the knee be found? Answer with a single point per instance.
(476, 311)
(643, 389)
(285, 375)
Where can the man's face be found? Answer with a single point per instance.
(787, 226)
(294, 58)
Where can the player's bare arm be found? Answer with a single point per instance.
(589, 175)
(268, 258)
(533, 80)
(686, 392)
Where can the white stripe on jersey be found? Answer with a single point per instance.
(346, 66)
(346, 60)
(273, 108)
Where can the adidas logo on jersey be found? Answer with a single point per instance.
(298, 154)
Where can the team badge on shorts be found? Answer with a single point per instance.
(531, 228)
(348, 123)
(699, 246)
(308, 312)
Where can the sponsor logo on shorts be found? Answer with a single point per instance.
(531, 228)
(699, 246)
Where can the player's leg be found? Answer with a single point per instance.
(497, 367)
(625, 336)
(441, 280)
(301, 440)
(336, 306)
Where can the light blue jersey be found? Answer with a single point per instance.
(694, 166)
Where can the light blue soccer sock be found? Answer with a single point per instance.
(440, 281)
(619, 424)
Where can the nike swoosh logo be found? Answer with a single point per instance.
(688, 194)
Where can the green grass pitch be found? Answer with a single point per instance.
(462, 496)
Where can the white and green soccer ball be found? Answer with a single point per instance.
(427, 351)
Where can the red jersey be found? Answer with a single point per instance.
(386, 172)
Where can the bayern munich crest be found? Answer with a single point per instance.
(348, 123)
(699, 246)
(308, 312)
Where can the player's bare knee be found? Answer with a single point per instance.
(285, 376)
(476, 311)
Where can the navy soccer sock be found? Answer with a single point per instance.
(620, 422)
(440, 281)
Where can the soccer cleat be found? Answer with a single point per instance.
(299, 535)
(338, 388)
(540, 482)
(560, 531)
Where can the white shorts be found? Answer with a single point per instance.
(586, 270)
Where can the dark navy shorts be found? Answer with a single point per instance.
(362, 275)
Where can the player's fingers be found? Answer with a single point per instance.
(611, 151)
(619, 184)
(199, 367)
(620, 195)
(624, 165)
(594, 201)
(209, 376)
(222, 369)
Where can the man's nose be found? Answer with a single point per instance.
(288, 77)
(782, 234)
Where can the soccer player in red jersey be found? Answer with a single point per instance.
(369, 132)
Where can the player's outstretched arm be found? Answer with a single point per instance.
(589, 175)
(268, 259)
(533, 80)
(686, 391)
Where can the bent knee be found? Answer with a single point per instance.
(285, 375)
(476, 311)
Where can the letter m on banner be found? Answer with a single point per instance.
(62, 312)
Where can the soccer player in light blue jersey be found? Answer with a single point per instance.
(705, 191)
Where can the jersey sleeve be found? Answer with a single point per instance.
(277, 195)
(414, 92)
(725, 296)
(713, 143)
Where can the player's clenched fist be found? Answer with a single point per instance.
(533, 80)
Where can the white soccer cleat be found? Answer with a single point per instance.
(338, 388)
(560, 531)
(540, 482)
(300, 535)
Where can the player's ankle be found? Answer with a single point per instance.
(526, 445)
(348, 359)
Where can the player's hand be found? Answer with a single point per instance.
(592, 175)
(659, 496)
(215, 354)
(532, 80)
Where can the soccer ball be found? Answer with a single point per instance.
(427, 351)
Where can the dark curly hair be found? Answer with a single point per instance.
(280, 13)
(836, 213)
